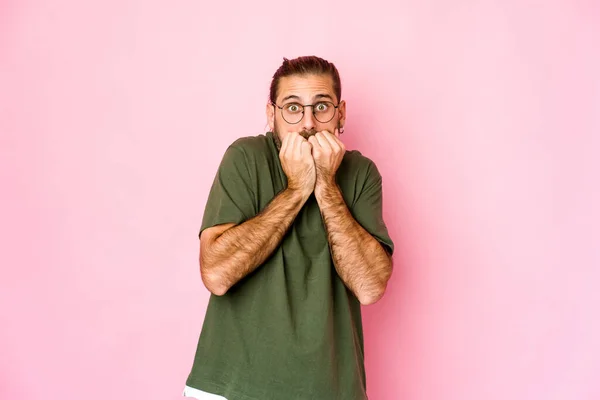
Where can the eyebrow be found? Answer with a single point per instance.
(318, 96)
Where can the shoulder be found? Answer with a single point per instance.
(251, 144)
(247, 149)
(356, 176)
(360, 166)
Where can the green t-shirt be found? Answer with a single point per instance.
(290, 330)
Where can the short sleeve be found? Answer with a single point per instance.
(367, 209)
(231, 198)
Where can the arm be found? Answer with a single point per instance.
(359, 259)
(230, 252)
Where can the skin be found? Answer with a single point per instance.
(309, 89)
(310, 153)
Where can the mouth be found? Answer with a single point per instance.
(306, 134)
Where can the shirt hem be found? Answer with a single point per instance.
(220, 390)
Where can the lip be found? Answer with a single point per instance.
(306, 134)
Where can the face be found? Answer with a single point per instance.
(304, 89)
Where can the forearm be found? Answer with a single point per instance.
(359, 259)
(239, 250)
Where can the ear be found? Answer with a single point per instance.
(342, 112)
(270, 116)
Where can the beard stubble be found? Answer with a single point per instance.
(304, 133)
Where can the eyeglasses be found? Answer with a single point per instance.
(292, 113)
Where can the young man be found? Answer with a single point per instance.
(292, 242)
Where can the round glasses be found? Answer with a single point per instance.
(292, 113)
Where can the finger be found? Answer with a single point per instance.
(298, 140)
(323, 142)
(339, 142)
(333, 141)
(291, 143)
(337, 136)
(315, 146)
(306, 148)
(284, 145)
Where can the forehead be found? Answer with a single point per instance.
(305, 86)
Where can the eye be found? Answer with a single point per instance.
(320, 107)
(293, 107)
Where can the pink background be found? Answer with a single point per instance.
(483, 117)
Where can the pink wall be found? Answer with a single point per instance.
(484, 118)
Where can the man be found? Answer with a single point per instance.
(292, 242)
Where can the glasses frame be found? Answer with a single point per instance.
(312, 108)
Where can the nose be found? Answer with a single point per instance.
(308, 119)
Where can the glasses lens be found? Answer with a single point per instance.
(324, 111)
(292, 112)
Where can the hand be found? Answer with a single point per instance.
(328, 152)
(298, 164)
